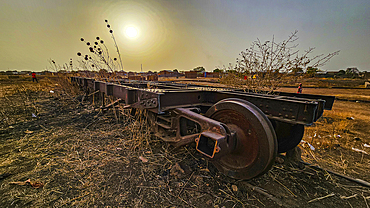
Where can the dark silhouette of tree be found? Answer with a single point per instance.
(312, 70)
(341, 72)
(199, 69)
(297, 70)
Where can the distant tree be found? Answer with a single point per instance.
(352, 71)
(233, 71)
(103, 72)
(297, 70)
(199, 69)
(175, 70)
(341, 72)
(217, 70)
(272, 61)
(312, 70)
(348, 71)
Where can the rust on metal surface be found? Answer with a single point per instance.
(239, 132)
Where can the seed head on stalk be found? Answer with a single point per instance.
(115, 43)
(101, 53)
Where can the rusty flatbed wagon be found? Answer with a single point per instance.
(240, 132)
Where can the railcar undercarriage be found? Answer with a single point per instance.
(239, 132)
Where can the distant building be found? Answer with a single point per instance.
(136, 77)
(169, 73)
(130, 74)
(152, 77)
(121, 73)
(143, 76)
(321, 74)
(11, 72)
(166, 73)
(24, 72)
(211, 74)
(191, 74)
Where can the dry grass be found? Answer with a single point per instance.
(335, 134)
(90, 158)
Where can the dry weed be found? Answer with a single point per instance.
(88, 157)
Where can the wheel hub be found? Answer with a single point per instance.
(255, 140)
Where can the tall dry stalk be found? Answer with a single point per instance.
(115, 43)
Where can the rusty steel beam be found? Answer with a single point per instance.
(291, 108)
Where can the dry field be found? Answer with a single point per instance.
(345, 127)
(84, 157)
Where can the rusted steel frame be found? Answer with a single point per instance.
(157, 85)
(164, 85)
(184, 98)
(278, 108)
(321, 100)
(284, 113)
(194, 87)
(211, 130)
(281, 108)
(83, 82)
(90, 84)
(128, 95)
(146, 85)
(176, 85)
(284, 109)
(138, 98)
(329, 100)
(324, 102)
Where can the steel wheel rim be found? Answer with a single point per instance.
(256, 140)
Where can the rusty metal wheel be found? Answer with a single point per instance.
(256, 144)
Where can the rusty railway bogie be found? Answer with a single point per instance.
(240, 132)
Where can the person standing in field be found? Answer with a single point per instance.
(299, 88)
(34, 77)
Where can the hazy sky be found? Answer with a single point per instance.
(180, 34)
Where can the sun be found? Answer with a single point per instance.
(131, 32)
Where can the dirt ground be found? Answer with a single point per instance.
(84, 157)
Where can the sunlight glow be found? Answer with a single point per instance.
(131, 32)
